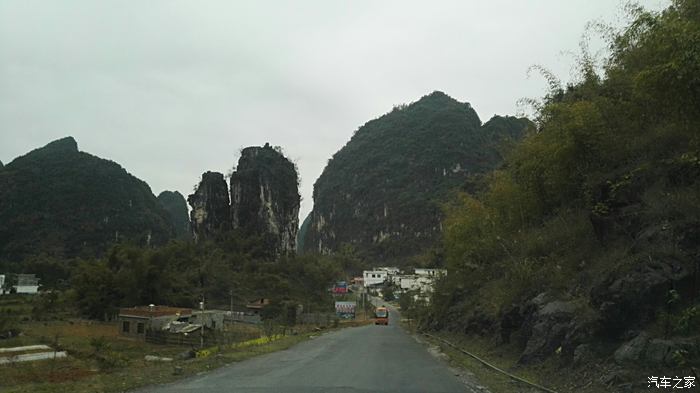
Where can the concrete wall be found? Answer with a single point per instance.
(29, 289)
(430, 272)
(212, 319)
(132, 326)
(242, 317)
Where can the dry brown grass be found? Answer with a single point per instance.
(81, 372)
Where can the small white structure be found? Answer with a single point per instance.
(415, 282)
(430, 272)
(27, 283)
(2, 284)
(408, 282)
(29, 353)
(374, 277)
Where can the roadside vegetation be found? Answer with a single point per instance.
(232, 268)
(588, 236)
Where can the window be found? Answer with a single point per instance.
(125, 327)
(139, 328)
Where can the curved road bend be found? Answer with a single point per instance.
(354, 360)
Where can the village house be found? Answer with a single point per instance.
(374, 277)
(135, 321)
(27, 283)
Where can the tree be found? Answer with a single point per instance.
(96, 289)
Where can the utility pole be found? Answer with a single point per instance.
(201, 314)
(230, 292)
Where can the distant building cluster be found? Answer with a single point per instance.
(19, 283)
(422, 280)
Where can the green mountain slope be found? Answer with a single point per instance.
(65, 203)
(174, 203)
(382, 192)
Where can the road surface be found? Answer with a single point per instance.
(352, 360)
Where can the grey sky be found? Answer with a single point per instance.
(170, 89)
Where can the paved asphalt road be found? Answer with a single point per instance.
(361, 359)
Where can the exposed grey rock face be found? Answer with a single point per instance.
(210, 206)
(583, 354)
(653, 351)
(264, 200)
(626, 298)
(661, 351)
(633, 350)
(551, 324)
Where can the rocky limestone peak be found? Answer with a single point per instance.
(437, 96)
(381, 192)
(67, 144)
(265, 197)
(264, 200)
(210, 213)
(58, 148)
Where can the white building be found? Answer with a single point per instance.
(2, 284)
(27, 283)
(374, 277)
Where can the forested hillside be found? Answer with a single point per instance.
(234, 267)
(174, 203)
(586, 243)
(381, 193)
(62, 202)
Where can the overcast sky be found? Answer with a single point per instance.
(170, 89)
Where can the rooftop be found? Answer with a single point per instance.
(258, 303)
(154, 311)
